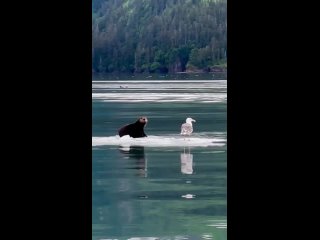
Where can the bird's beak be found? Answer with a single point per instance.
(193, 120)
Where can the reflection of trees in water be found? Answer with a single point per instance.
(121, 211)
(126, 207)
(125, 213)
(186, 161)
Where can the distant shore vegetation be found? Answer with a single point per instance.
(159, 36)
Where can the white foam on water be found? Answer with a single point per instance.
(160, 91)
(162, 81)
(188, 196)
(217, 225)
(158, 141)
(143, 238)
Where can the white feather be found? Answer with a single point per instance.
(187, 128)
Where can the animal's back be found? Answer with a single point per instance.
(125, 130)
(133, 130)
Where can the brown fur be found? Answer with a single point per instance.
(135, 130)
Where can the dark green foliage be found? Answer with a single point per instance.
(158, 35)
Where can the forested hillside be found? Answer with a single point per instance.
(158, 35)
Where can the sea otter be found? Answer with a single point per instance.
(135, 130)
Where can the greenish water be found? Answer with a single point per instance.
(164, 187)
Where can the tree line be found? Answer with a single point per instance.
(158, 35)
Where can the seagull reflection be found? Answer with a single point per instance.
(186, 162)
(136, 153)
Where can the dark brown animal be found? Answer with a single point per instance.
(135, 130)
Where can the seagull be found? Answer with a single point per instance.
(186, 128)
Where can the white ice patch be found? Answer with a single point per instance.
(158, 141)
(160, 91)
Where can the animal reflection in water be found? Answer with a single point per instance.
(136, 153)
(186, 162)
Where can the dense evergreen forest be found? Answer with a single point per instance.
(159, 35)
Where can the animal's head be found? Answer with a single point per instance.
(143, 120)
(190, 120)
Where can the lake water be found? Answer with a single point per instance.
(164, 186)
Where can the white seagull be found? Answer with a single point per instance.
(186, 128)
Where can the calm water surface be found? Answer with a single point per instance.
(162, 187)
